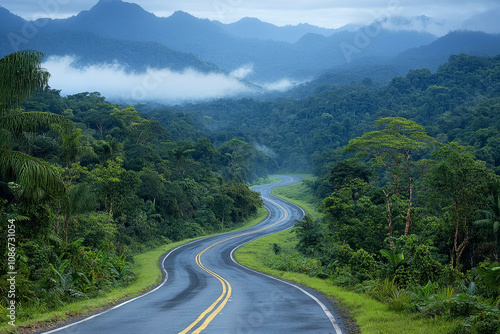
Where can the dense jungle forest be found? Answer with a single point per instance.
(89, 183)
(407, 176)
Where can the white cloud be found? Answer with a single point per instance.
(280, 85)
(113, 82)
(243, 71)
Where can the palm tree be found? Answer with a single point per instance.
(21, 75)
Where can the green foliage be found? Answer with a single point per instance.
(345, 171)
(353, 217)
(424, 268)
(459, 183)
(363, 265)
(310, 235)
(96, 230)
(295, 263)
(336, 256)
(389, 292)
(276, 249)
(488, 279)
(21, 74)
(394, 260)
(107, 183)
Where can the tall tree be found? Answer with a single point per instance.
(392, 149)
(21, 75)
(462, 184)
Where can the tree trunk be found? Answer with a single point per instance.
(59, 214)
(66, 227)
(389, 216)
(411, 188)
(410, 207)
(459, 249)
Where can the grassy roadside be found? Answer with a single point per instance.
(301, 195)
(371, 316)
(148, 275)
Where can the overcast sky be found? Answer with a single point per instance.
(324, 13)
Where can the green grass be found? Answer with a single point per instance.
(146, 267)
(301, 195)
(370, 315)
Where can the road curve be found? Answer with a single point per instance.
(206, 291)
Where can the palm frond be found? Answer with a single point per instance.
(30, 121)
(21, 74)
(5, 138)
(80, 199)
(487, 222)
(36, 178)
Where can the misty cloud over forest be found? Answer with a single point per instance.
(162, 85)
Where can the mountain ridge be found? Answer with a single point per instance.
(251, 27)
(269, 60)
(182, 41)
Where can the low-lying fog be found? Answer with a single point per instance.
(159, 85)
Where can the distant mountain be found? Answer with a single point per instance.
(114, 30)
(347, 46)
(249, 27)
(268, 60)
(9, 21)
(58, 38)
(431, 56)
(89, 49)
(485, 21)
(436, 53)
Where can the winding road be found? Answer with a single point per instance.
(206, 290)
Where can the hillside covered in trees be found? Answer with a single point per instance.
(88, 183)
(408, 181)
(459, 102)
(407, 176)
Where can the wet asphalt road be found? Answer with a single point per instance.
(206, 291)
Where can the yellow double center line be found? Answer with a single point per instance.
(226, 287)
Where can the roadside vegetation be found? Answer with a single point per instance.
(392, 292)
(85, 185)
(147, 272)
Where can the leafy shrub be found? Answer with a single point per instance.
(398, 300)
(421, 295)
(336, 256)
(309, 233)
(486, 323)
(394, 260)
(404, 276)
(483, 323)
(424, 268)
(343, 277)
(276, 248)
(363, 265)
(383, 289)
(450, 276)
(488, 279)
(462, 305)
